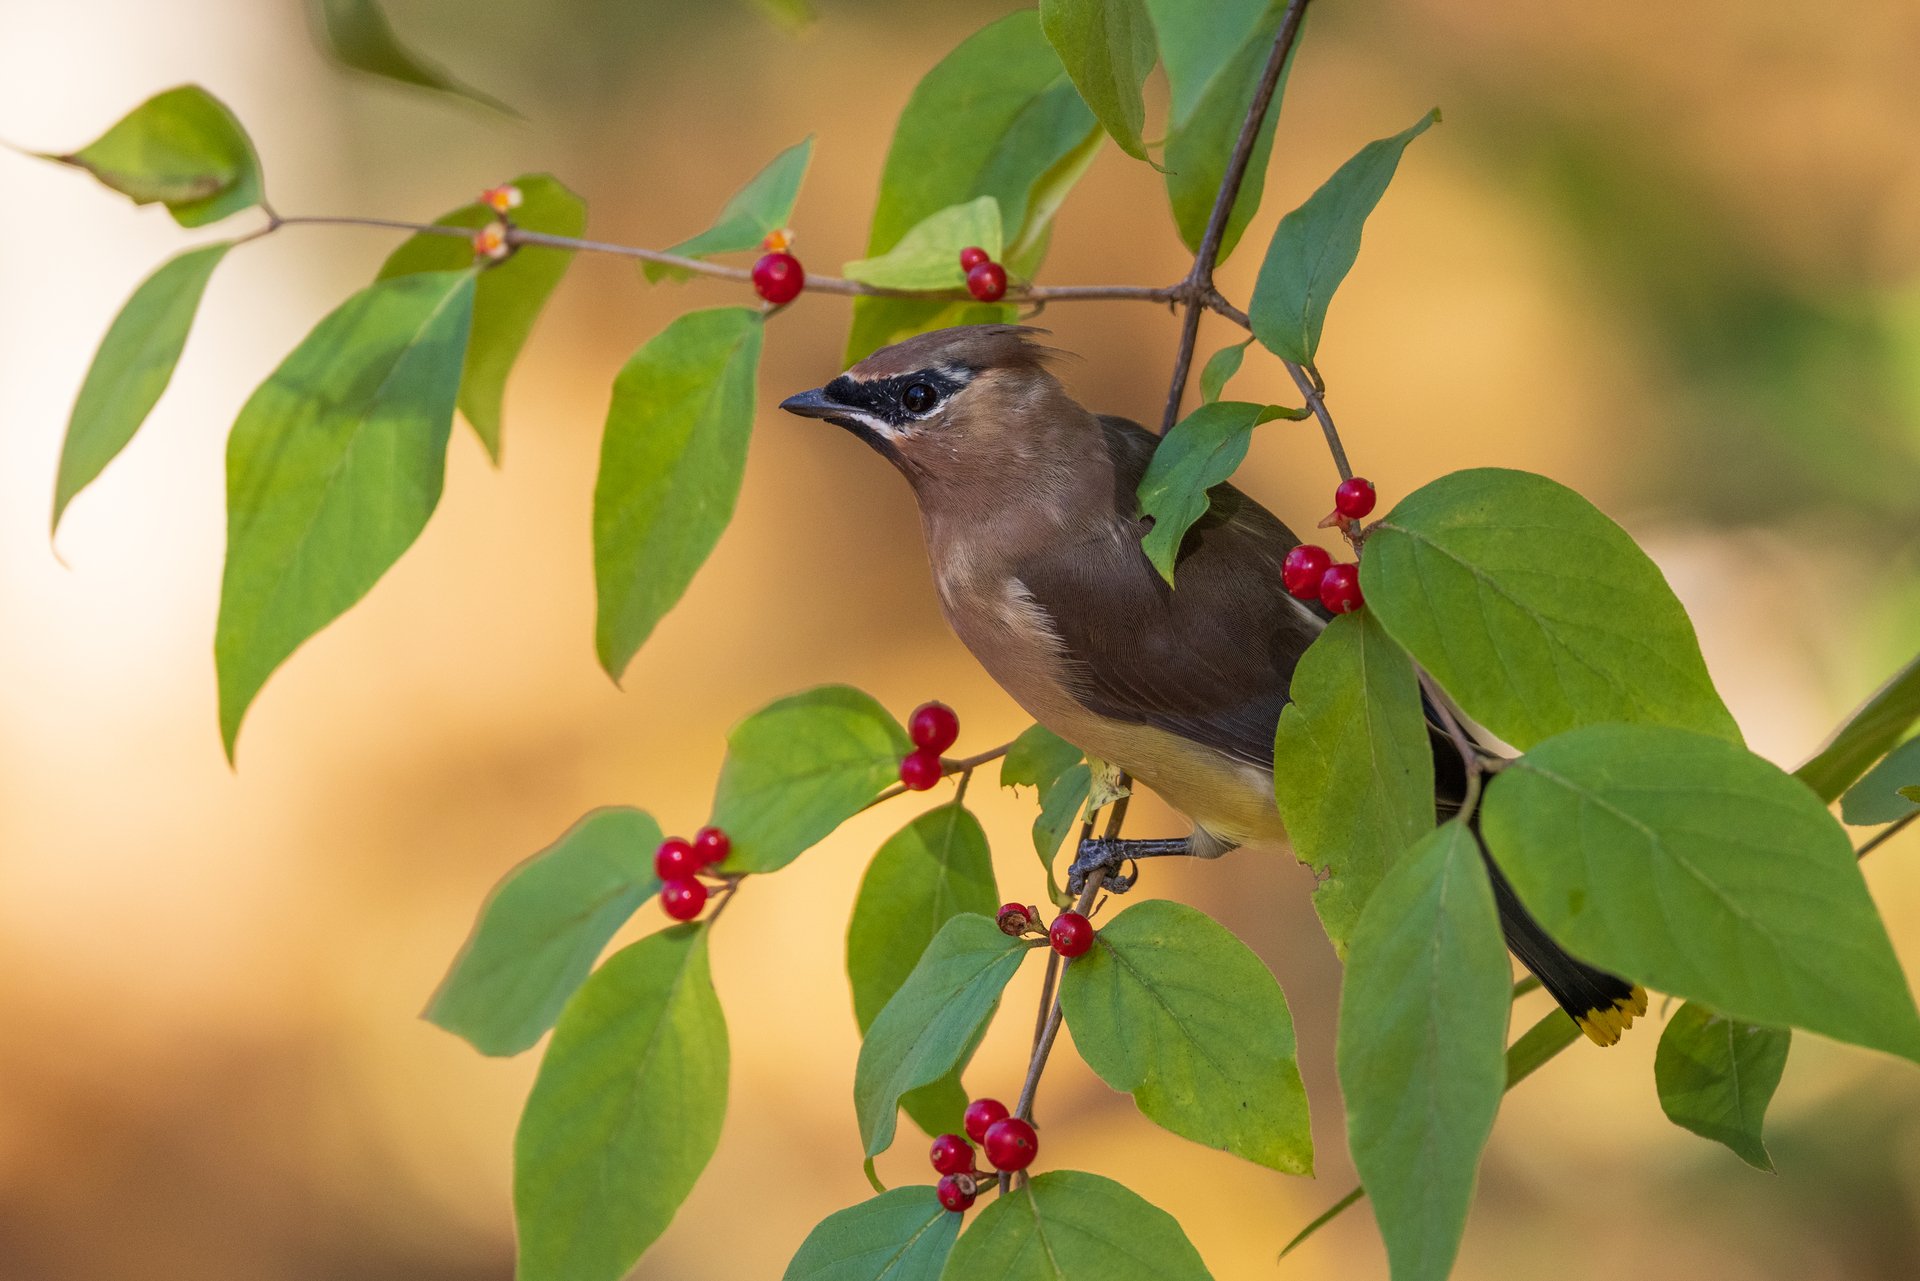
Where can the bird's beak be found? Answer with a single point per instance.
(812, 404)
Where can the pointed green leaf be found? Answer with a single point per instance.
(1066, 1225)
(1353, 768)
(798, 768)
(132, 368)
(1171, 1008)
(1422, 1046)
(1877, 798)
(1220, 367)
(1697, 868)
(333, 468)
(764, 205)
(928, 256)
(671, 460)
(902, 1235)
(1315, 246)
(932, 1021)
(625, 1113)
(1867, 735)
(1201, 451)
(357, 35)
(1060, 804)
(1716, 1076)
(542, 928)
(182, 149)
(1037, 758)
(1107, 47)
(510, 294)
(1534, 610)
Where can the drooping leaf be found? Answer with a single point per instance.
(1060, 805)
(1352, 766)
(928, 256)
(1422, 1046)
(182, 149)
(625, 1113)
(1696, 867)
(357, 35)
(1220, 367)
(333, 468)
(1037, 758)
(932, 1021)
(540, 931)
(510, 294)
(763, 205)
(798, 768)
(901, 1235)
(1201, 451)
(1107, 47)
(1171, 1008)
(132, 368)
(1535, 611)
(1866, 736)
(1315, 246)
(1877, 798)
(1066, 1225)
(1716, 1076)
(671, 460)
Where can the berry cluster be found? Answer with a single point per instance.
(490, 241)
(778, 276)
(1010, 1144)
(934, 728)
(986, 279)
(1309, 572)
(1071, 934)
(678, 863)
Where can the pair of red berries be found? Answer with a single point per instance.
(934, 728)
(1009, 1141)
(1071, 934)
(1309, 572)
(678, 863)
(986, 279)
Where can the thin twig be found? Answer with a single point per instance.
(963, 766)
(1886, 834)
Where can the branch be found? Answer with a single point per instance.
(964, 767)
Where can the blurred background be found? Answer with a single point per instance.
(1667, 254)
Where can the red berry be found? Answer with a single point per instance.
(778, 277)
(1011, 1144)
(683, 897)
(1071, 935)
(987, 281)
(674, 859)
(956, 1192)
(972, 256)
(1355, 497)
(934, 727)
(710, 846)
(1013, 919)
(1340, 589)
(1303, 568)
(921, 769)
(981, 1114)
(952, 1154)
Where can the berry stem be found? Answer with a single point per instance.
(964, 765)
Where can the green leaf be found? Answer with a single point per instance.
(1066, 1225)
(1422, 1046)
(1040, 758)
(357, 35)
(625, 1113)
(671, 460)
(1171, 1008)
(182, 149)
(902, 1235)
(1867, 735)
(798, 768)
(1201, 451)
(1695, 867)
(1214, 54)
(1536, 1046)
(333, 467)
(1877, 798)
(928, 256)
(933, 869)
(510, 294)
(1716, 1076)
(1315, 246)
(1353, 767)
(542, 928)
(132, 368)
(996, 117)
(1037, 758)
(763, 205)
(1220, 367)
(1107, 47)
(932, 1021)
(1911, 793)
(1060, 804)
(1535, 611)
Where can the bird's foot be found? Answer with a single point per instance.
(1109, 854)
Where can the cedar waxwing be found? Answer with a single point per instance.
(1027, 504)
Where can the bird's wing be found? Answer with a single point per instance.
(1210, 660)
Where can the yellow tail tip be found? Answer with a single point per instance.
(1603, 1027)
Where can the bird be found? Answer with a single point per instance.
(1033, 532)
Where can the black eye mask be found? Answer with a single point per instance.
(898, 400)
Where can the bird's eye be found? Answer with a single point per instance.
(919, 398)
